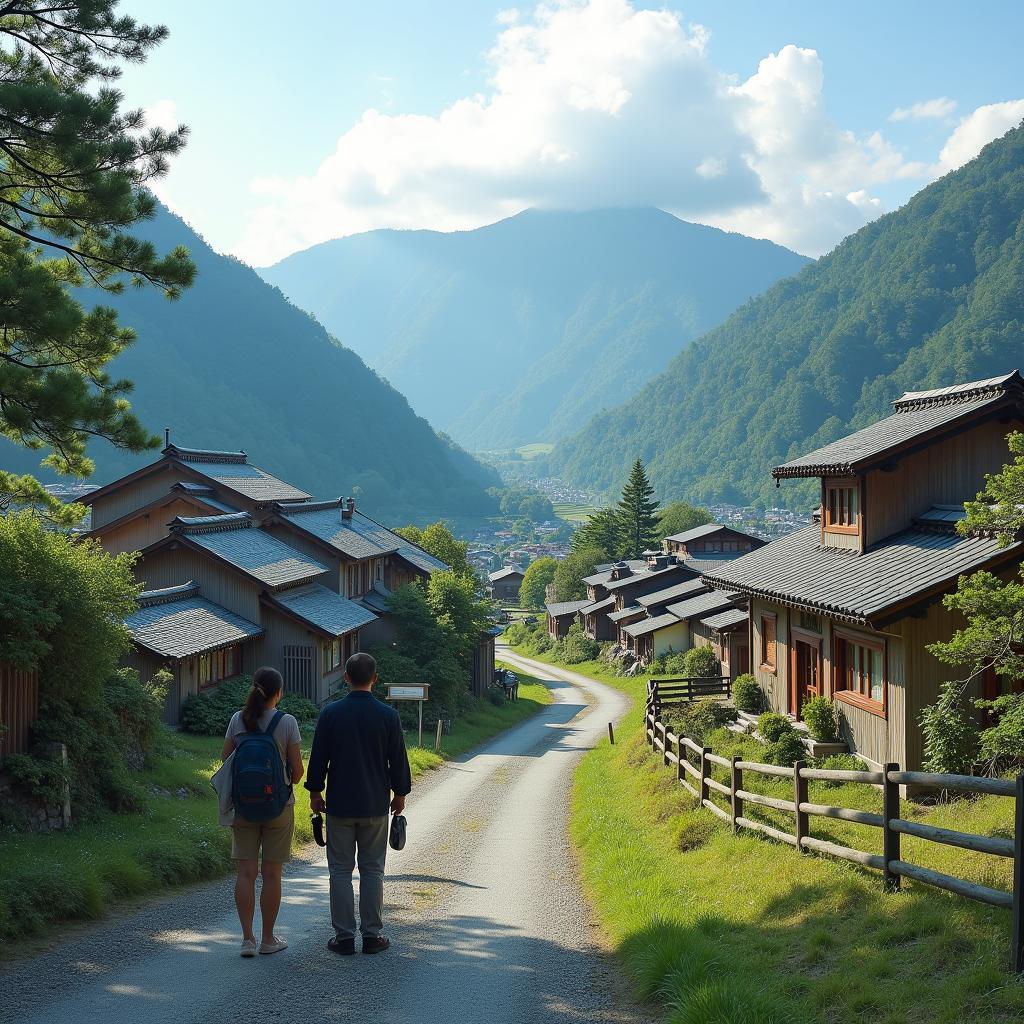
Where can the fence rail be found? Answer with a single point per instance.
(677, 750)
(19, 707)
(677, 689)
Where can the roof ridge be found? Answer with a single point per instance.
(910, 401)
(164, 595)
(290, 507)
(211, 524)
(203, 454)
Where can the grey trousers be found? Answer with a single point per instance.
(349, 839)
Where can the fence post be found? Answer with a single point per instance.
(1017, 950)
(802, 823)
(890, 837)
(702, 787)
(737, 784)
(611, 734)
(664, 743)
(680, 771)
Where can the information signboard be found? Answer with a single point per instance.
(412, 691)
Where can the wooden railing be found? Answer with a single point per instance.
(694, 773)
(19, 706)
(675, 689)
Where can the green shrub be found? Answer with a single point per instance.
(747, 694)
(950, 732)
(1002, 744)
(786, 749)
(699, 718)
(578, 647)
(209, 713)
(495, 696)
(674, 664)
(701, 661)
(819, 714)
(771, 726)
(840, 763)
(42, 778)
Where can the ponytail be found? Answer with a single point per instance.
(266, 684)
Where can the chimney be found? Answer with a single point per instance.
(348, 508)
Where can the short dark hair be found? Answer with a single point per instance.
(361, 668)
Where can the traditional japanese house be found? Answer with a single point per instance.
(847, 607)
(561, 615)
(670, 631)
(711, 541)
(725, 632)
(505, 584)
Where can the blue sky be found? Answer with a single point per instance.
(772, 119)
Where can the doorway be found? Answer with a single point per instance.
(806, 672)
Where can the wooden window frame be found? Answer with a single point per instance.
(328, 661)
(765, 666)
(218, 661)
(854, 697)
(840, 484)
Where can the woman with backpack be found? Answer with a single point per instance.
(267, 762)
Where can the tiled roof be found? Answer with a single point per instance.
(236, 540)
(917, 414)
(942, 517)
(701, 605)
(324, 609)
(625, 613)
(728, 619)
(797, 570)
(597, 606)
(651, 625)
(698, 531)
(508, 570)
(560, 608)
(675, 593)
(232, 470)
(376, 599)
(602, 573)
(178, 623)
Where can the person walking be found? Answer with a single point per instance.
(359, 750)
(272, 837)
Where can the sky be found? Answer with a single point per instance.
(793, 121)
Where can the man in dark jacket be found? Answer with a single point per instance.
(359, 750)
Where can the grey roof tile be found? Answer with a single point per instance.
(860, 588)
(324, 609)
(646, 626)
(232, 470)
(698, 531)
(597, 606)
(731, 617)
(675, 593)
(188, 625)
(500, 574)
(702, 604)
(625, 613)
(559, 608)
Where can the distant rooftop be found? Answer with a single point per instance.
(325, 610)
(232, 470)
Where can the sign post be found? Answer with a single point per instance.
(418, 692)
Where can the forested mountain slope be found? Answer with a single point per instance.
(232, 364)
(521, 330)
(923, 297)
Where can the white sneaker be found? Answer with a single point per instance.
(273, 947)
(248, 947)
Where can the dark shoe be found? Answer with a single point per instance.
(375, 943)
(343, 947)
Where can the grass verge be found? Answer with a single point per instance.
(733, 929)
(84, 874)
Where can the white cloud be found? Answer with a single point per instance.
(977, 130)
(940, 107)
(596, 103)
(162, 114)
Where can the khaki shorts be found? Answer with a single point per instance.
(274, 836)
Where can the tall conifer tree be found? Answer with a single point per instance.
(73, 167)
(638, 520)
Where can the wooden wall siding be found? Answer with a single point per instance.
(843, 541)
(19, 707)
(284, 634)
(381, 631)
(132, 496)
(944, 474)
(221, 585)
(315, 551)
(775, 685)
(145, 530)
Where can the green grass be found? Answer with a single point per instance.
(574, 513)
(532, 451)
(85, 873)
(735, 929)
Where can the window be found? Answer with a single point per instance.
(768, 654)
(332, 656)
(810, 622)
(379, 570)
(842, 509)
(860, 670)
(217, 666)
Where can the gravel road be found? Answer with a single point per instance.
(484, 911)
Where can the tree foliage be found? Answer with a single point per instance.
(439, 541)
(540, 573)
(637, 514)
(579, 563)
(680, 516)
(1000, 506)
(930, 295)
(601, 533)
(73, 168)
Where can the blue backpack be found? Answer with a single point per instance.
(258, 787)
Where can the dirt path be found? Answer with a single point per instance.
(484, 910)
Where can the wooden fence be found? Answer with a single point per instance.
(694, 764)
(672, 689)
(19, 706)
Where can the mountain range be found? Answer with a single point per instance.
(232, 364)
(923, 297)
(519, 331)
